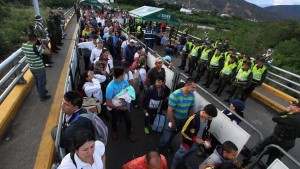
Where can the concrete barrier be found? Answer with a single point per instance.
(267, 101)
(277, 92)
(13, 101)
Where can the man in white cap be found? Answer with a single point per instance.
(129, 52)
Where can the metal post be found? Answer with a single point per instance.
(36, 7)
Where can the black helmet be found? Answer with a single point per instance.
(38, 17)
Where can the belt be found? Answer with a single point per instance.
(241, 82)
(214, 67)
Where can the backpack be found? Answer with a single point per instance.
(137, 81)
(100, 129)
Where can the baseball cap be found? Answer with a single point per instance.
(132, 41)
(122, 37)
(167, 58)
(38, 17)
(159, 59)
(238, 104)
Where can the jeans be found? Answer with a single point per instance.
(115, 114)
(182, 155)
(40, 81)
(168, 135)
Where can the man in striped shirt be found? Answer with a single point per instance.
(36, 65)
(180, 107)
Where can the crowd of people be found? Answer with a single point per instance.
(116, 74)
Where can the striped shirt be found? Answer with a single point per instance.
(34, 61)
(181, 104)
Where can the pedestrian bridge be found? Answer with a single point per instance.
(25, 122)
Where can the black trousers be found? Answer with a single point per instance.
(192, 64)
(150, 118)
(222, 82)
(115, 115)
(211, 73)
(183, 59)
(246, 93)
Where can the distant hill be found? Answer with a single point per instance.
(290, 11)
(232, 7)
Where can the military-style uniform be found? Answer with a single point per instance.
(259, 76)
(57, 21)
(203, 62)
(52, 32)
(193, 57)
(284, 135)
(215, 65)
(242, 81)
(226, 75)
(185, 52)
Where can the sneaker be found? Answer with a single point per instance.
(131, 138)
(146, 130)
(136, 106)
(45, 98)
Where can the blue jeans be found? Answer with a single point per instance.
(182, 155)
(40, 81)
(168, 135)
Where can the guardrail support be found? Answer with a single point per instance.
(18, 71)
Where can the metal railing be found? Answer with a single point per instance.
(277, 77)
(15, 67)
(264, 152)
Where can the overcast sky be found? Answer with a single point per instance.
(264, 3)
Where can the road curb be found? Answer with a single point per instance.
(277, 92)
(13, 101)
(267, 101)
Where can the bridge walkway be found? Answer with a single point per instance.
(19, 147)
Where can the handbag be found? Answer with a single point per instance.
(160, 119)
(92, 104)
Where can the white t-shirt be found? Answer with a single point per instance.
(102, 21)
(124, 44)
(128, 76)
(87, 45)
(95, 54)
(67, 162)
(111, 65)
(94, 88)
(136, 55)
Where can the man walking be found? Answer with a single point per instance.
(180, 107)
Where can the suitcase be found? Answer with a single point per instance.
(159, 123)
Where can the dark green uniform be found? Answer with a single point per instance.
(52, 32)
(284, 135)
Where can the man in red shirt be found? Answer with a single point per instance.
(152, 160)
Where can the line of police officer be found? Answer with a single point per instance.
(228, 66)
